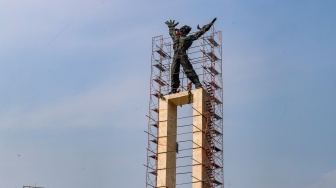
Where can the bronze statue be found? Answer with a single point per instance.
(182, 42)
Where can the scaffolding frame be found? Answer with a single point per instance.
(206, 57)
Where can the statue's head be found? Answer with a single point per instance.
(184, 30)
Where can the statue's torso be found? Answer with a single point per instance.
(181, 44)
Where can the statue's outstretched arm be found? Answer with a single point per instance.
(171, 25)
(204, 29)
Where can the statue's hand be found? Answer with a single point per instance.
(171, 23)
(213, 21)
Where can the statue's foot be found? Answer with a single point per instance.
(198, 85)
(172, 91)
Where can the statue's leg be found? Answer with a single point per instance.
(175, 72)
(190, 72)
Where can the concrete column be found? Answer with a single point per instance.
(199, 140)
(166, 163)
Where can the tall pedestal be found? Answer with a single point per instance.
(166, 174)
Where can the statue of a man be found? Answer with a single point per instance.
(182, 42)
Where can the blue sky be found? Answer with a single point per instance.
(74, 90)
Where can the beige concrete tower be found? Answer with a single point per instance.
(166, 165)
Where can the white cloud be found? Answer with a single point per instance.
(30, 26)
(327, 180)
(37, 23)
(94, 107)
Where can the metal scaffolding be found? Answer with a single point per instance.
(206, 57)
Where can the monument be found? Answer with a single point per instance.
(182, 42)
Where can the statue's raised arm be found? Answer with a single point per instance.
(204, 29)
(171, 25)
